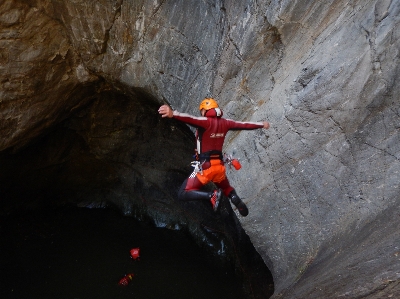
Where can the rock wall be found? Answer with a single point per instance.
(322, 184)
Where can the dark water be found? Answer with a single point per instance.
(82, 253)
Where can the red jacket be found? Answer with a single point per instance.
(212, 129)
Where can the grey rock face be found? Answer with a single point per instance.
(322, 184)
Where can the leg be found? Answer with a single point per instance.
(240, 205)
(225, 186)
(231, 194)
(190, 190)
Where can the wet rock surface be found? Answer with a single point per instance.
(81, 82)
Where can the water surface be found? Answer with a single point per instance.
(83, 253)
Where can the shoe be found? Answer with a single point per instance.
(240, 205)
(215, 199)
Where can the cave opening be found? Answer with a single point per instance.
(114, 141)
(116, 154)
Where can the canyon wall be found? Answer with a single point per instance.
(322, 184)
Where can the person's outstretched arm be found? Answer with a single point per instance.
(240, 125)
(166, 111)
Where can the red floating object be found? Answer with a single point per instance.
(134, 253)
(124, 281)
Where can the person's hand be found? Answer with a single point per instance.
(166, 111)
(266, 125)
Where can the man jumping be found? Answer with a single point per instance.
(210, 134)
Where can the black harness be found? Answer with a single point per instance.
(210, 155)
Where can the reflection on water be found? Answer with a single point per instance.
(82, 253)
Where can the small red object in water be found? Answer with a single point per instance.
(124, 281)
(134, 253)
